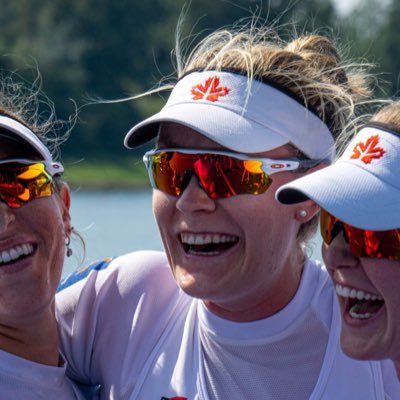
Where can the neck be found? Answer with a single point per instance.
(263, 306)
(35, 339)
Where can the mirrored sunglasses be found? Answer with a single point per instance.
(24, 180)
(362, 243)
(221, 174)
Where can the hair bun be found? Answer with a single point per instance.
(322, 55)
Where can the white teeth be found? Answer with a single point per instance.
(201, 239)
(15, 253)
(344, 291)
(359, 316)
(5, 256)
(27, 249)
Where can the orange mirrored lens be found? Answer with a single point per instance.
(22, 183)
(362, 243)
(219, 175)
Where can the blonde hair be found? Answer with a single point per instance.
(389, 115)
(309, 67)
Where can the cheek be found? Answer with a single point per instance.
(159, 204)
(385, 275)
(48, 219)
(330, 256)
(163, 208)
(326, 254)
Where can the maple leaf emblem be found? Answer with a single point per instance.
(369, 150)
(210, 90)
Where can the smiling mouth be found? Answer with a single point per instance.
(359, 304)
(207, 244)
(15, 253)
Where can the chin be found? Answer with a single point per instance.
(360, 350)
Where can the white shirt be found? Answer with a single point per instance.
(22, 379)
(126, 325)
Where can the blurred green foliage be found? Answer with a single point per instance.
(107, 175)
(114, 49)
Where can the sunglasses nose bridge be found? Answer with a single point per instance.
(187, 178)
(194, 198)
(337, 229)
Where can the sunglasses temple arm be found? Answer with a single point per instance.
(307, 164)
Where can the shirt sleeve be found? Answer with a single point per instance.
(111, 314)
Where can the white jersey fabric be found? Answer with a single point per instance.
(21, 379)
(126, 325)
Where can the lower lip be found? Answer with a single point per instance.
(359, 322)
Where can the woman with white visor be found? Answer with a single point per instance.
(35, 232)
(244, 314)
(360, 225)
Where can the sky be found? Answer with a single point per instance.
(345, 6)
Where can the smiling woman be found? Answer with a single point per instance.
(234, 308)
(360, 226)
(34, 224)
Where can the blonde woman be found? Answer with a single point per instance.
(360, 195)
(244, 313)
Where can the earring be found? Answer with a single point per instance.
(67, 243)
(303, 213)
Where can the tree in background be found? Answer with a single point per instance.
(113, 49)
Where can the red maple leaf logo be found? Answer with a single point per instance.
(369, 150)
(210, 90)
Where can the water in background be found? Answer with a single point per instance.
(111, 223)
(114, 223)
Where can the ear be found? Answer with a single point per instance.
(65, 197)
(306, 211)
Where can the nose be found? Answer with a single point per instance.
(338, 255)
(7, 216)
(194, 198)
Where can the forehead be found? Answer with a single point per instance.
(173, 135)
(13, 147)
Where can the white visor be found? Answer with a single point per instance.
(243, 115)
(362, 188)
(24, 133)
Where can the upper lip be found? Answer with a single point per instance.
(8, 244)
